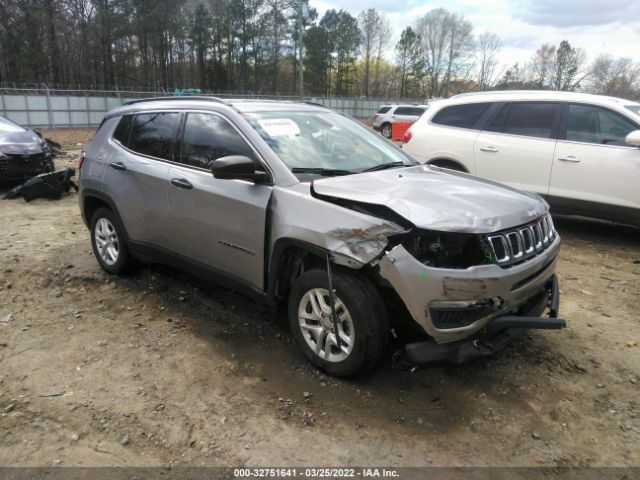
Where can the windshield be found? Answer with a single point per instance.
(325, 141)
(634, 108)
(7, 126)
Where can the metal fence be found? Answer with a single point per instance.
(57, 108)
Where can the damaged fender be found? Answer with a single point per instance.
(359, 240)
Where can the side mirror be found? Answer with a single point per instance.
(237, 167)
(633, 138)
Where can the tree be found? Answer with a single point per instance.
(409, 62)
(200, 34)
(375, 35)
(447, 43)
(567, 67)
(488, 48)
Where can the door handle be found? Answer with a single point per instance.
(569, 158)
(118, 166)
(489, 149)
(181, 183)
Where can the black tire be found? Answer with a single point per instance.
(368, 315)
(124, 261)
(385, 130)
(451, 165)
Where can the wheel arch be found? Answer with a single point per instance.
(454, 164)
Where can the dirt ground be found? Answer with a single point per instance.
(160, 369)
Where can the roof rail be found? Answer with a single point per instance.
(173, 98)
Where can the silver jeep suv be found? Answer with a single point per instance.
(297, 205)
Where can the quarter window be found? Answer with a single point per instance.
(154, 134)
(209, 137)
(528, 119)
(123, 130)
(597, 125)
(462, 116)
(383, 109)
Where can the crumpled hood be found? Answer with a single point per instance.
(438, 199)
(22, 143)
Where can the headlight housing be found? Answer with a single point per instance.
(445, 249)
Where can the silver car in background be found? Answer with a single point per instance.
(299, 206)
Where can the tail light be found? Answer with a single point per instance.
(81, 160)
(407, 136)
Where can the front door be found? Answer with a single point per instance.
(218, 224)
(593, 167)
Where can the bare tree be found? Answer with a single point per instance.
(384, 40)
(369, 23)
(447, 42)
(488, 46)
(615, 76)
(542, 65)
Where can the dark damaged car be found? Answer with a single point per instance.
(302, 207)
(23, 153)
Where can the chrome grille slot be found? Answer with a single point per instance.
(513, 246)
(516, 244)
(527, 237)
(500, 249)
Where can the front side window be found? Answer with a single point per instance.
(209, 137)
(589, 124)
(154, 134)
(530, 119)
(462, 116)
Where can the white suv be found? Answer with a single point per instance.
(390, 114)
(579, 151)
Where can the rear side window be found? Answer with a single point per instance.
(209, 137)
(123, 130)
(413, 111)
(597, 125)
(154, 134)
(383, 109)
(526, 119)
(462, 116)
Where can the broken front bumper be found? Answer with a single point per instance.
(430, 294)
(497, 334)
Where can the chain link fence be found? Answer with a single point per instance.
(47, 107)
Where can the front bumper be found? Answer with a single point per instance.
(497, 334)
(22, 167)
(419, 286)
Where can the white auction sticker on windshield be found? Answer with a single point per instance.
(278, 127)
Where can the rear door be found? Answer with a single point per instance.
(217, 224)
(136, 173)
(516, 147)
(593, 164)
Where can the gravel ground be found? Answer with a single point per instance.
(160, 369)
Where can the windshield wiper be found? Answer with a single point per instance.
(327, 172)
(384, 166)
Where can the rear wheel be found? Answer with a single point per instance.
(108, 241)
(386, 130)
(362, 322)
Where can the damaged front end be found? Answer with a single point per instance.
(457, 285)
(464, 289)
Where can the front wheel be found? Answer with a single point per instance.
(362, 331)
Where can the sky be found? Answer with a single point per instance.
(597, 26)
